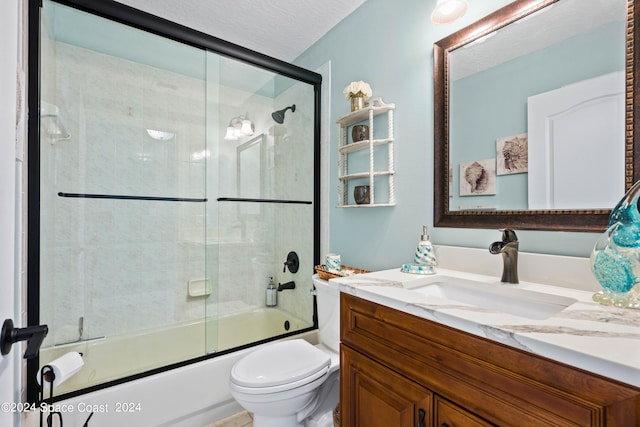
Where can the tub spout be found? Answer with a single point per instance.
(508, 247)
(288, 285)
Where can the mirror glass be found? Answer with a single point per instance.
(531, 103)
(249, 168)
(250, 160)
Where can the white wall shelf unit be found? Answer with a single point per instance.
(347, 179)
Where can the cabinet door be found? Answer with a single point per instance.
(449, 415)
(374, 396)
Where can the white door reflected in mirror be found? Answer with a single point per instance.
(576, 145)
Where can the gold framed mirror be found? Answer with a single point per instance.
(472, 119)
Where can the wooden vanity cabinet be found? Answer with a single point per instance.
(379, 397)
(396, 367)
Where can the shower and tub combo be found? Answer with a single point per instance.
(157, 236)
(108, 359)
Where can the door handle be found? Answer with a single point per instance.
(34, 335)
(421, 415)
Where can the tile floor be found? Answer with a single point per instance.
(245, 419)
(241, 419)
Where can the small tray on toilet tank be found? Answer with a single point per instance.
(345, 270)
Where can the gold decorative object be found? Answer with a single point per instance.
(357, 92)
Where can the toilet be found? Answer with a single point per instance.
(294, 383)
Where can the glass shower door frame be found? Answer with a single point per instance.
(155, 25)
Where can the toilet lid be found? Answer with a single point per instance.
(280, 363)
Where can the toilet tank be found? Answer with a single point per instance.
(328, 300)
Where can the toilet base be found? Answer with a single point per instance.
(324, 419)
(264, 421)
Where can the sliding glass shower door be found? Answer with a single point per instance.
(260, 188)
(174, 184)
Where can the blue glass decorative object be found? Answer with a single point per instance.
(615, 259)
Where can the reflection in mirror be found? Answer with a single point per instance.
(250, 160)
(531, 104)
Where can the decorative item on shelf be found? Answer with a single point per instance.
(357, 92)
(615, 259)
(360, 133)
(357, 102)
(362, 194)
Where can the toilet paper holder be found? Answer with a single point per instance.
(47, 374)
(34, 335)
(58, 371)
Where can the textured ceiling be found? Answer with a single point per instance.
(558, 22)
(282, 29)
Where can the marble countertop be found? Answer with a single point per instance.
(587, 335)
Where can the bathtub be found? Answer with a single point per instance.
(191, 395)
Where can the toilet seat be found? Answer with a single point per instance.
(279, 366)
(295, 388)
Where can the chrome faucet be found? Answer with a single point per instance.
(508, 247)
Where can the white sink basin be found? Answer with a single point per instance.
(495, 297)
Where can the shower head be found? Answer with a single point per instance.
(278, 116)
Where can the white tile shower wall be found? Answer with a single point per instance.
(257, 238)
(243, 232)
(121, 263)
(293, 176)
(124, 263)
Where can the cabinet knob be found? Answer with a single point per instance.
(421, 415)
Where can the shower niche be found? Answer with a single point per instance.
(176, 172)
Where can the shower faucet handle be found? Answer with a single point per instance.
(293, 262)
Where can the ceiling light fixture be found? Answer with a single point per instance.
(160, 135)
(447, 11)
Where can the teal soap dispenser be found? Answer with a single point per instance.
(424, 259)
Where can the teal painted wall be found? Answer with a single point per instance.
(390, 46)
